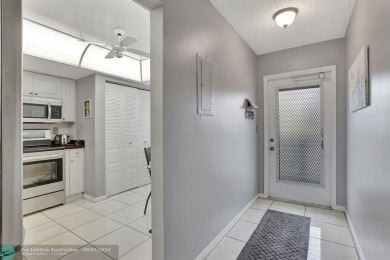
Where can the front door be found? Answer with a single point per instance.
(299, 138)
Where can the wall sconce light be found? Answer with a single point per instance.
(250, 108)
(285, 17)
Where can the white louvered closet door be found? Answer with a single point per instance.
(114, 146)
(129, 138)
(143, 135)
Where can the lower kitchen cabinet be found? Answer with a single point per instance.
(74, 171)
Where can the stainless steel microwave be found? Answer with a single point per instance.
(41, 110)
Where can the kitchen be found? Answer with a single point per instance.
(86, 123)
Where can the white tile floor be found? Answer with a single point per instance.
(119, 220)
(84, 225)
(330, 237)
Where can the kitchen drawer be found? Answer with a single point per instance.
(74, 153)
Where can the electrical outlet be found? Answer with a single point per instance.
(55, 130)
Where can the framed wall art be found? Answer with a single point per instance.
(359, 92)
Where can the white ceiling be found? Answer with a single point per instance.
(317, 21)
(92, 20)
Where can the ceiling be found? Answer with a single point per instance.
(92, 20)
(317, 21)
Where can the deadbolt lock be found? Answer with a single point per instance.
(272, 148)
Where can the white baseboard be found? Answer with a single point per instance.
(354, 237)
(93, 199)
(261, 195)
(73, 198)
(339, 208)
(224, 232)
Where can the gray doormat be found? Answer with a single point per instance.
(279, 236)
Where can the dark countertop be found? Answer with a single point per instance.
(73, 146)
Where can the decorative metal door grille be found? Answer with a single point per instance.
(300, 135)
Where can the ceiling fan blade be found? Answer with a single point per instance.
(129, 40)
(111, 54)
(142, 53)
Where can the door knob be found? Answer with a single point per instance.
(271, 140)
(272, 148)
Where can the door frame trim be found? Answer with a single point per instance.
(266, 79)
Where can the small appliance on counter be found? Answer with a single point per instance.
(61, 139)
(75, 144)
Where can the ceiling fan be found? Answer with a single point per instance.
(122, 45)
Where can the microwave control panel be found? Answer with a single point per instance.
(56, 112)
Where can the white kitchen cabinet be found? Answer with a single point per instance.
(74, 171)
(47, 86)
(68, 100)
(28, 83)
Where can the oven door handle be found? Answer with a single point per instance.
(43, 158)
(49, 114)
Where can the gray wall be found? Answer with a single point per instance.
(307, 57)
(11, 123)
(85, 129)
(209, 163)
(368, 132)
(156, 100)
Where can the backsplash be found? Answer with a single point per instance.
(63, 128)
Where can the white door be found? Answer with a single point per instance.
(129, 138)
(299, 138)
(143, 135)
(114, 145)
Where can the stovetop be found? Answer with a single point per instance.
(42, 149)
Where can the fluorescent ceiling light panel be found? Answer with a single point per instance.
(124, 67)
(43, 42)
(145, 65)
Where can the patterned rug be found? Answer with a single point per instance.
(279, 236)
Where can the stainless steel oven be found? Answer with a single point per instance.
(43, 180)
(43, 171)
(41, 110)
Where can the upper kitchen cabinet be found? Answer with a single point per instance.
(40, 85)
(28, 83)
(68, 100)
(47, 86)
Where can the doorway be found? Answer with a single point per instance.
(300, 136)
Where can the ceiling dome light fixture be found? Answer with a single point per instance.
(285, 17)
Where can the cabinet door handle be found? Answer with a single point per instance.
(36, 94)
(63, 118)
(31, 93)
(71, 160)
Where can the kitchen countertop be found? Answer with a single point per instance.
(73, 146)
